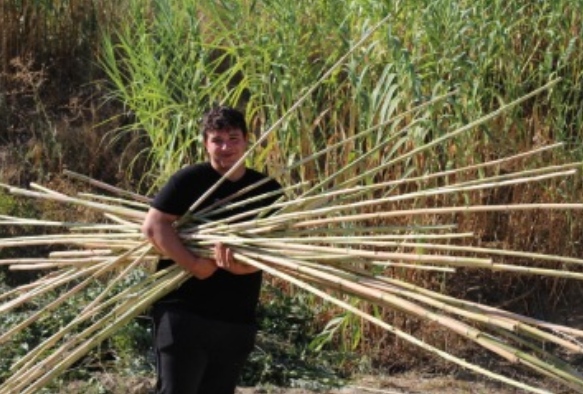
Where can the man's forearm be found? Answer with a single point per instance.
(168, 242)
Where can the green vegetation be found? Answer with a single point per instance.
(173, 60)
(101, 87)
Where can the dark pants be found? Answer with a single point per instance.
(196, 355)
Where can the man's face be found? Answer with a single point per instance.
(225, 148)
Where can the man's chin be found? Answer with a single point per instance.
(227, 165)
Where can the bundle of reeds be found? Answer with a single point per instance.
(333, 239)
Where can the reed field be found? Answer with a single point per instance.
(431, 152)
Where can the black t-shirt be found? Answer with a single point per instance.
(223, 296)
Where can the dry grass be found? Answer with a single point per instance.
(68, 31)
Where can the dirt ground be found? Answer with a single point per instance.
(409, 383)
(414, 383)
(406, 383)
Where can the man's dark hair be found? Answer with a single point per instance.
(223, 118)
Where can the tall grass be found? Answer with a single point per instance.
(174, 59)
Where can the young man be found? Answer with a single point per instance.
(205, 329)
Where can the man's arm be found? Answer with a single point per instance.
(157, 227)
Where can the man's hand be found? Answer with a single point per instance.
(225, 259)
